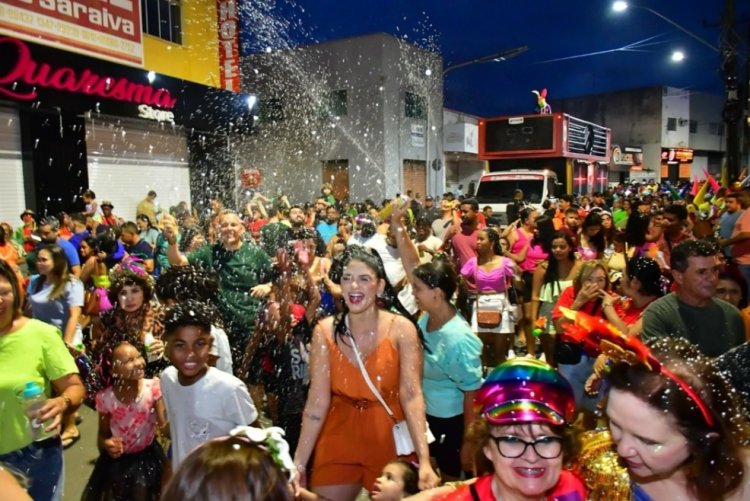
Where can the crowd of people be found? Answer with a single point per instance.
(416, 349)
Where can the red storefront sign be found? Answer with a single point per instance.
(109, 29)
(229, 50)
(30, 74)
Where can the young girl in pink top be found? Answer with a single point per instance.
(131, 460)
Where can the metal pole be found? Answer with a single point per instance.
(732, 113)
(497, 57)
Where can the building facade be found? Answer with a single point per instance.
(363, 114)
(657, 132)
(460, 146)
(120, 99)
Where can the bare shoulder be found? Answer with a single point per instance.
(401, 328)
(324, 327)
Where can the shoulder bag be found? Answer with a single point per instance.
(401, 436)
(486, 319)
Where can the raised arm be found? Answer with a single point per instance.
(173, 253)
(412, 399)
(406, 248)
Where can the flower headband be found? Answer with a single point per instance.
(596, 335)
(131, 267)
(272, 441)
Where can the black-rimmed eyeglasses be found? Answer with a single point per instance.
(513, 447)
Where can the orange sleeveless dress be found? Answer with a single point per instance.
(356, 440)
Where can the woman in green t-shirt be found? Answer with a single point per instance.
(33, 352)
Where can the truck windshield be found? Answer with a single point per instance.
(501, 191)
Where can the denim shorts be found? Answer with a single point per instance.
(42, 463)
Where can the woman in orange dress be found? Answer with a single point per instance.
(343, 420)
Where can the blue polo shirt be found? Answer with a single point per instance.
(70, 252)
(77, 238)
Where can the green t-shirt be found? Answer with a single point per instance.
(620, 218)
(35, 352)
(269, 237)
(238, 271)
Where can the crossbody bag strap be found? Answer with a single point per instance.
(364, 371)
(474, 492)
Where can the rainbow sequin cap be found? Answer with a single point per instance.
(525, 390)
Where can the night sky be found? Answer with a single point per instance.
(465, 30)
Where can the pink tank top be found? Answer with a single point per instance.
(534, 254)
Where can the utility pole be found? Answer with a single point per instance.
(732, 113)
(746, 87)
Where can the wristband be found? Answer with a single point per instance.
(67, 401)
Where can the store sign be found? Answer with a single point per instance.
(628, 155)
(417, 135)
(149, 113)
(461, 137)
(24, 75)
(229, 50)
(106, 29)
(676, 155)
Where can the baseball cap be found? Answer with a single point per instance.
(107, 203)
(27, 211)
(525, 390)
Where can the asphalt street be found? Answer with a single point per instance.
(81, 456)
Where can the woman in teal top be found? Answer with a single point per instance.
(452, 360)
(33, 352)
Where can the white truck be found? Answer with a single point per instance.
(496, 189)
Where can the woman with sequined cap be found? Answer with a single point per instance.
(676, 427)
(523, 436)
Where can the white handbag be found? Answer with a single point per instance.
(401, 436)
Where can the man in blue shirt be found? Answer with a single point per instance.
(80, 231)
(49, 229)
(728, 220)
(136, 247)
(328, 228)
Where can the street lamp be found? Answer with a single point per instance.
(621, 6)
(497, 57)
(728, 54)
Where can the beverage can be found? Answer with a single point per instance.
(148, 340)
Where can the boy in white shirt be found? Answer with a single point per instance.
(181, 283)
(202, 402)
